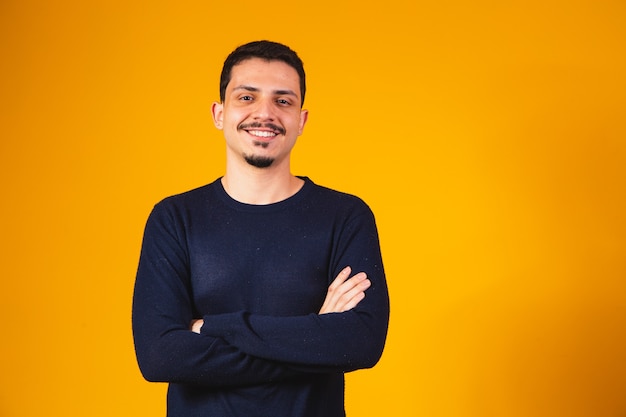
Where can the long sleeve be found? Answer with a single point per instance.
(329, 342)
(163, 309)
(258, 276)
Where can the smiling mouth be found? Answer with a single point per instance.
(262, 133)
(262, 130)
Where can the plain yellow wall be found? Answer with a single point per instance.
(488, 137)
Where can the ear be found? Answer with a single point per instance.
(217, 110)
(304, 116)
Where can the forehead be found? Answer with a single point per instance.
(264, 74)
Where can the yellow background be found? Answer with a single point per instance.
(488, 137)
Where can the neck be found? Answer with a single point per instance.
(251, 185)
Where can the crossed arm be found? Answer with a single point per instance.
(240, 348)
(344, 293)
(229, 365)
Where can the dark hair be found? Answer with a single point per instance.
(270, 51)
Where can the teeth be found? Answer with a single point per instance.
(262, 133)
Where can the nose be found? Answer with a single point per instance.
(264, 110)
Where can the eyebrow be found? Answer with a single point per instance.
(256, 90)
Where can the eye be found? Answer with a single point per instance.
(245, 98)
(283, 102)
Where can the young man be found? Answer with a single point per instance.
(245, 299)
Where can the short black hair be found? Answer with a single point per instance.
(270, 51)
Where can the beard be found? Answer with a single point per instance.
(259, 161)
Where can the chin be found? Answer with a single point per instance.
(259, 161)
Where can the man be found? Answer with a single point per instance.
(245, 299)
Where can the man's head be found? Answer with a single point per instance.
(267, 50)
(261, 111)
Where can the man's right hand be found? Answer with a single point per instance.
(345, 292)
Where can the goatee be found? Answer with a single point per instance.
(259, 161)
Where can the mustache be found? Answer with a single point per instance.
(252, 125)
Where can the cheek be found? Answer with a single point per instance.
(234, 113)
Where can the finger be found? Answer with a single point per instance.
(354, 281)
(338, 295)
(196, 325)
(345, 292)
(341, 278)
(350, 300)
(334, 291)
(357, 292)
(354, 301)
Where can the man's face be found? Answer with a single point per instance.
(261, 115)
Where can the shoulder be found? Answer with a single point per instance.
(188, 199)
(174, 215)
(334, 200)
(185, 204)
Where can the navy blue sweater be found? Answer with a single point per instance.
(257, 275)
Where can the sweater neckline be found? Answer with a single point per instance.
(263, 208)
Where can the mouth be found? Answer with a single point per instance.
(262, 131)
(263, 134)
